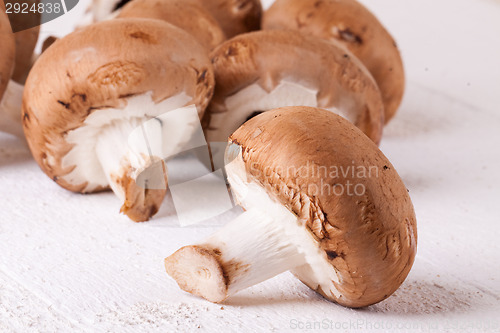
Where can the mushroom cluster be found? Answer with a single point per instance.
(104, 106)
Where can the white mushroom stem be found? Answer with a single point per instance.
(264, 241)
(247, 251)
(10, 109)
(124, 148)
(124, 155)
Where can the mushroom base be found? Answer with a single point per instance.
(232, 260)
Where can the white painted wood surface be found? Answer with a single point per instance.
(70, 263)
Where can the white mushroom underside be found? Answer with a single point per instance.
(100, 10)
(104, 142)
(253, 98)
(10, 109)
(270, 235)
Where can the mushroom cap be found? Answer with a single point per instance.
(48, 42)
(100, 67)
(370, 238)
(189, 16)
(7, 52)
(357, 28)
(269, 57)
(235, 16)
(26, 40)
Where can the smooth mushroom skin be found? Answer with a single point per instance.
(235, 16)
(26, 40)
(117, 73)
(48, 42)
(350, 23)
(7, 52)
(368, 239)
(189, 16)
(326, 73)
(25, 46)
(9, 101)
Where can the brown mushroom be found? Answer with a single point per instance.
(189, 16)
(8, 118)
(88, 92)
(234, 16)
(26, 27)
(48, 42)
(320, 200)
(26, 40)
(350, 23)
(263, 70)
(7, 52)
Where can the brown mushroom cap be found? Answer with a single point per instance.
(48, 42)
(101, 67)
(25, 46)
(320, 200)
(357, 28)
(370, 239)
(26, 40)
(267, 58)
(235, 16)
(189, 16)
(7, 52)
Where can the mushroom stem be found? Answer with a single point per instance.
(10, 109)
(252, 248)
(136, 176)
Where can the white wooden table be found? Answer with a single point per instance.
(71, 263)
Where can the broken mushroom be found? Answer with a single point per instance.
(8, 120)
(88, 92)
(262, 70)
(320, 200)
(189, 16)
(350, 23)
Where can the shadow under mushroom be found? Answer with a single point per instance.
(424, 297)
